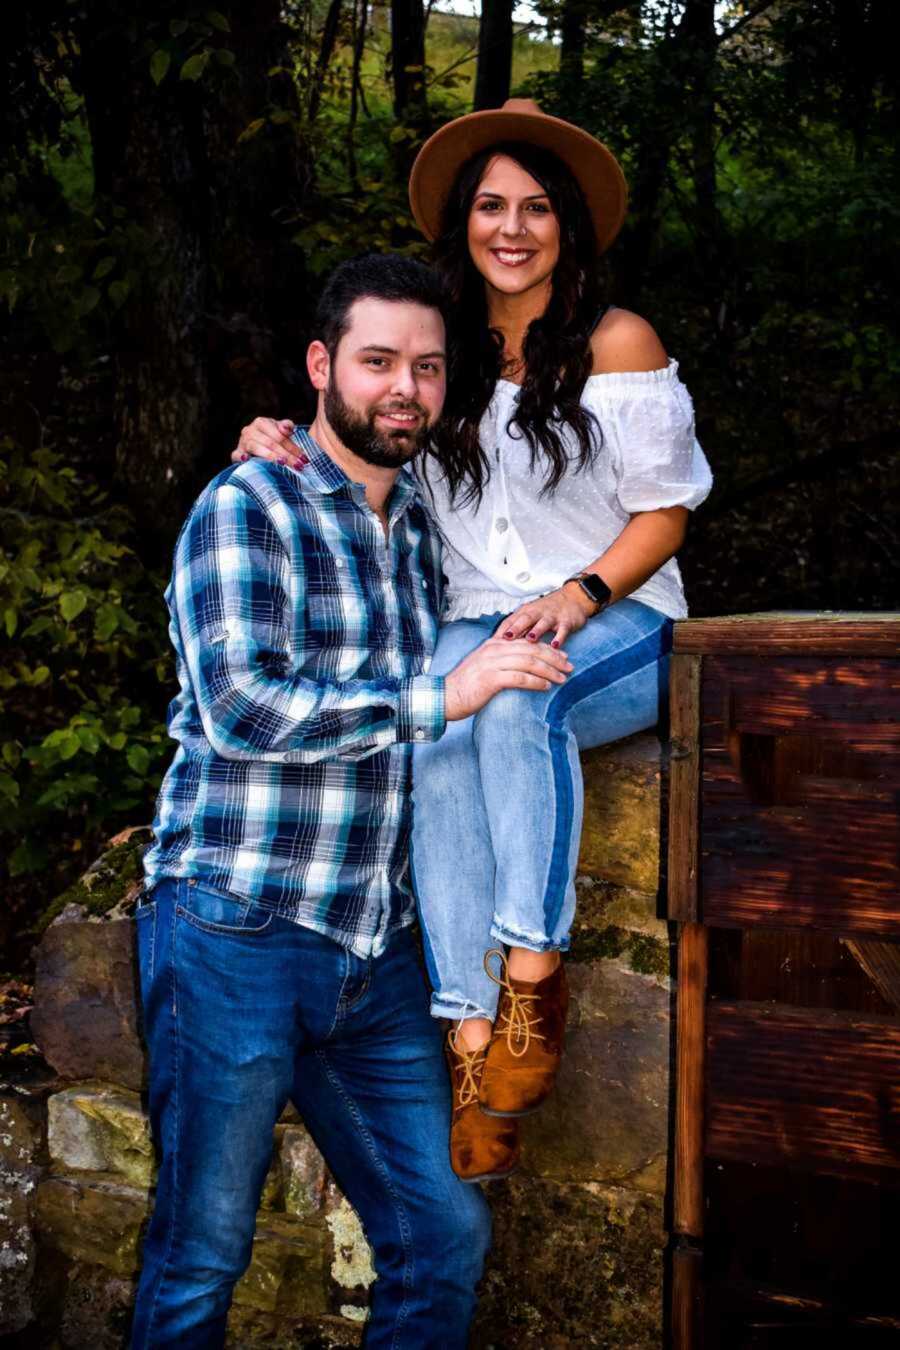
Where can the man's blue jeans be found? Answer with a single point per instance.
(243, 1010)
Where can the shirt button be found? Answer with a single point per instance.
(524, 576)
(502, 525)
(420, 734)
(424, 584)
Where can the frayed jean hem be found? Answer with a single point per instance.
(532, 942)
(459, 1010)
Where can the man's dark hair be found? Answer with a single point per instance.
(376, 276)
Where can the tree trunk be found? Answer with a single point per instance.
(572, 35)
(677, 63)
(700, 35)
(326, 49)
(495, 41)
(204, 336)
(149, 165)
(360, 20)
(408, 61)
(259, 313)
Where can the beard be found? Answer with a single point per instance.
(384, 449)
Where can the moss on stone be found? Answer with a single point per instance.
(572, 1265)
(648, 956)
(591, 944)
(105, 883)
(645, 955)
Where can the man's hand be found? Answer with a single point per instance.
(265, 438)
(500, 664)
(560, 612)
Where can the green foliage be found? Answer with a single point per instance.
(188, 44)
(778, 295)
(81, 744)
(65, 285)
(361, 199)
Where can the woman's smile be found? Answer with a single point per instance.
(513, 257)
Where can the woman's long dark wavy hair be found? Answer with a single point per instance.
(556, 350)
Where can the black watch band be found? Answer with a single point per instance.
(594, 587)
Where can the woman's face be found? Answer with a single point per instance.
(513, 232)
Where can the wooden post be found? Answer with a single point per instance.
(693, 951)
(687, 1304)
(684, 785)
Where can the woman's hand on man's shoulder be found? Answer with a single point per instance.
(266, 438)
(623, 341)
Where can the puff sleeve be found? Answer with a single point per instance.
(648, 421)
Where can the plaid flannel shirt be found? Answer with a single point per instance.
(302, 640)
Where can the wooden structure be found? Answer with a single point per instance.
(784, 834)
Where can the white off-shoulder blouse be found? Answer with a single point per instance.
(516, 544)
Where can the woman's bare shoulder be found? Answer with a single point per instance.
(624, 341)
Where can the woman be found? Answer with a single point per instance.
(561, 481)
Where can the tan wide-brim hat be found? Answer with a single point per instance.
(594, 167)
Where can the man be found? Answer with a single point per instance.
(275, 953)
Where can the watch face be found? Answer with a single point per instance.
(596, 588)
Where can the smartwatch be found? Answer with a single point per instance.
(594, 587)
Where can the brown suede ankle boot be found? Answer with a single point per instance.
(481, 1148)
(526, 1048)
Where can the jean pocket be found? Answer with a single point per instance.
(145, 934)
(216, 911)
(146, 903)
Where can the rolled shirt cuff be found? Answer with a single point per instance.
(422, 716)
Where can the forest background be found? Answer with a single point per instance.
(176, 179)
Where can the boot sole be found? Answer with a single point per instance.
(489, 1176)
(510, 1115)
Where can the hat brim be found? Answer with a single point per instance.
(594, 167)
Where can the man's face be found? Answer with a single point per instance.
(387, 381)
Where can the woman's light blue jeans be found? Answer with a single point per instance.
(498, 799)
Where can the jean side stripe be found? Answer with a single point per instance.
(629, 661)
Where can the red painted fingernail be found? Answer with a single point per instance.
(532, 637)
(244, 458)
(554, 643)
(508, 633)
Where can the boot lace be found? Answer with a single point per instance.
(516, 1018)
(468, 1064)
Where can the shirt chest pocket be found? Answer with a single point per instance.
(326, 598)
(339, 633)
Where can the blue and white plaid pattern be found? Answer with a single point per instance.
(301, 638)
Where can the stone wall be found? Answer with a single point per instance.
(577, 1257)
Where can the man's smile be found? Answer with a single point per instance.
(401, 419)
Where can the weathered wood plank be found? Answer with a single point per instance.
(881, 962)
(801, 780)
(821, 1237)
(769, 634)
(684, 779)
(804, 968)
(693, 954)
(810, 1089)
(802, 1310)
